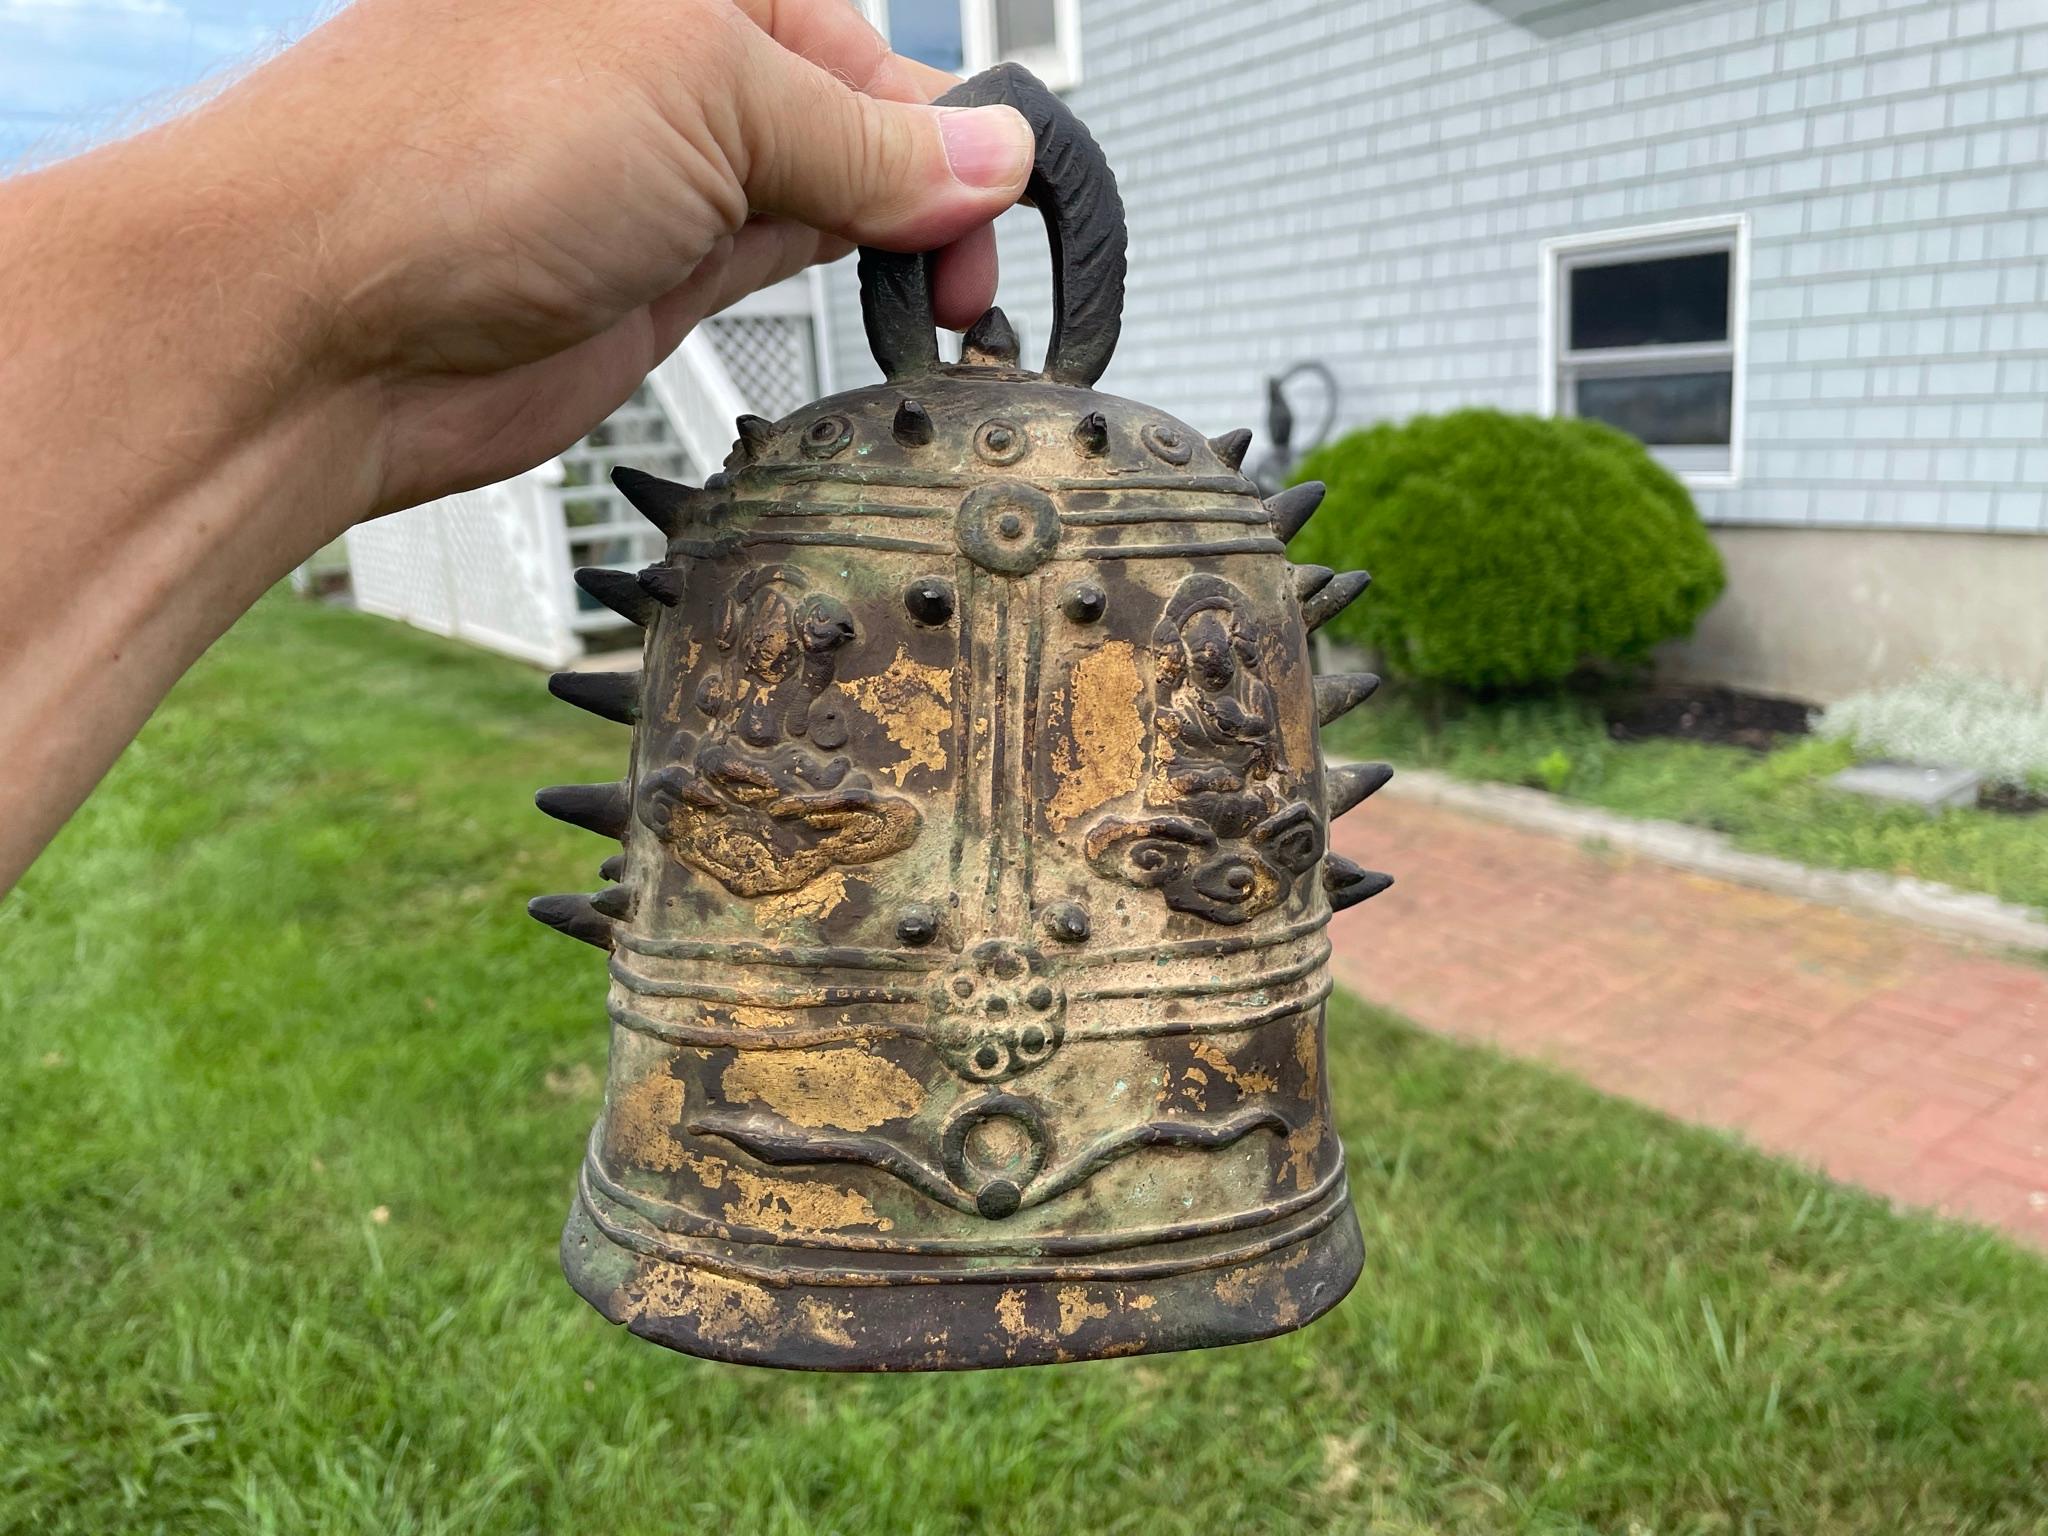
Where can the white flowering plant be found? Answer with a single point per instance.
(1949, 719)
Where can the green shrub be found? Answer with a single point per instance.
(1507, 550)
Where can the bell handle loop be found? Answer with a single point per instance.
(1072, 186)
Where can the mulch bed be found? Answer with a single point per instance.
(1727, 716)
(2011, 800)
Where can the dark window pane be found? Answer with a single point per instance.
(1650, 303)
(1666, 410)
(1022, 25)
(928, 31)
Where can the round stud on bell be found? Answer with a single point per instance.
(1067, 921)
(929, 600)
(827, 436)
(1084, 601)
(1000, 442)
(918, 924)
(967, 884)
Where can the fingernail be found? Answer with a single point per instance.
(987, 146)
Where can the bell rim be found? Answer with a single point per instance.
(971, 1322)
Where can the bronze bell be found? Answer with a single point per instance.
(967, 926)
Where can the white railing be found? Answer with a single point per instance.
(699, 398)
(496, 566)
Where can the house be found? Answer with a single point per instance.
(1798, 246)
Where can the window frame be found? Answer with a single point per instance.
(1559, 256)
(1058, 66)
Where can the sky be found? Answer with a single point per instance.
(77, 72)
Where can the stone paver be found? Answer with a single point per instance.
(1885, 1056)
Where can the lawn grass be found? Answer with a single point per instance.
(293, 1093)
(1770, 803)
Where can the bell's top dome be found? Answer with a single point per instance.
(982, 417)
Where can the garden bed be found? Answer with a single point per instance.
(1723, 716)
(1755, 722)
(1713, 758)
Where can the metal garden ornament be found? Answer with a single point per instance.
(970, 874)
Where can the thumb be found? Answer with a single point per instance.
(886, 173)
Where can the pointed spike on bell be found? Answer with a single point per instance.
(1232, 446)
(991, 341)
(913, 425)
(663, 583)
(1334, 598)
(1345, 787)
(664, 503)
(599, 808)
(1091, 434)
(619, 591)
(1341, 692)
(613, 868)
(1293, 507)
(755, 433)
(614, 901)
(1311, 579)
(614, 695)
(1347, 885)
(573, 915)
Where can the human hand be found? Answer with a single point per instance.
(532, 202)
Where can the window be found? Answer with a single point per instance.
(966, 35)
(1642, 329)
(931, 31)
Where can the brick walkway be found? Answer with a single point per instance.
(1882, 1055)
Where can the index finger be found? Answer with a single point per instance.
(835, 36)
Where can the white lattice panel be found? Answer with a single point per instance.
(485, 566)
(506, 574)
(769, 358)
(397, 568)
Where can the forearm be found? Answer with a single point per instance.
(425, 249)
(171, 454)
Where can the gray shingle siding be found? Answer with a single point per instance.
(1367, 182)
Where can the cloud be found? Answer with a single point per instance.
(27, 9)
(74, 73)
